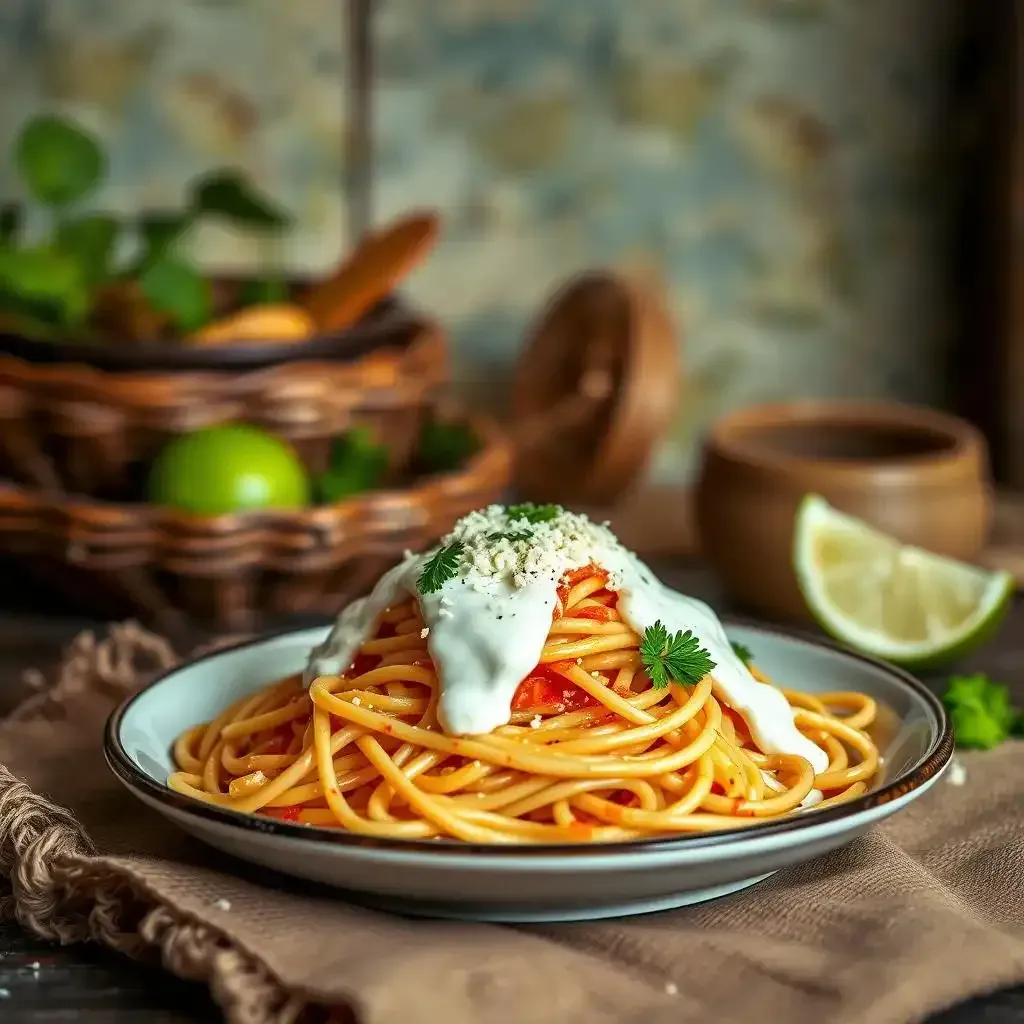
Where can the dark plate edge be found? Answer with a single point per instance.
(937, 757)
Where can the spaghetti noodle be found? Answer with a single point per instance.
(593, 750)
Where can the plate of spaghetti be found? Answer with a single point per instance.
(525, 724)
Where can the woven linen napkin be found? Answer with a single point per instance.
(920, 914)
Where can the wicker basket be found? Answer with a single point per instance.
(92, 430)
(237, 571)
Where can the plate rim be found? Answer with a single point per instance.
(935, 759)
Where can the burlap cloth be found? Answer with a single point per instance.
(920, 914)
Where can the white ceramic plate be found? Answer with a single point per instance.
(528, 883)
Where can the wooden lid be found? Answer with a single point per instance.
(594, 391)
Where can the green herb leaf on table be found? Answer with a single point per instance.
(678, 657)
(10, 223)
(446, 446)
(533, 513)
(59, 163)
(358, 464)
(982, 713)
(441, 567)
(743, 653)
(90, 241)
(227, 194)
(42, 284)
(179, 290)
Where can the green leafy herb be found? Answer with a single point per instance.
(982, 713)
(446, 446)
(441, 567)
(676, 657)
(63, 284)
(513, 535)
(358, 464)
(743, 653)
(158, 232)
(44, 285)
(10, 223)
(178, 289)
(227, 194)
(533, 513)
(59, 163)
(256, 293)
(89, 240)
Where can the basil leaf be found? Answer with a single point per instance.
(179, 290)
(446, 446)
(44, 285)
(257, 293)
(90, 241)
(10, 223)
(157, 233)
(358, 464)
(228, 195)
(58, 162)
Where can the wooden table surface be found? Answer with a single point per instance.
(43, 984)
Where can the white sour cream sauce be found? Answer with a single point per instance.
(485, 637)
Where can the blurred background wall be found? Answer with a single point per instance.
(784, 168)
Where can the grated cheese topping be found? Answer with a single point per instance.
(488, 594)
(497, 546)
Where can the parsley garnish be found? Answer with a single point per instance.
(743, 652)
(513, 536)
(679, 657)
(441, 567)
(983, 714)
(533, 513)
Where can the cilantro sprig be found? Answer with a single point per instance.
(678, 657)
(441, 567)
(445, 563)
(744, 653)
(983, 714)
(533, 513)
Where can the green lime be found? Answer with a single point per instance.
(897, 602)
(226, 469)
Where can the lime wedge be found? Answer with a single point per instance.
(888, 599)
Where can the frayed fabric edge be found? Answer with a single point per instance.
(56, 886)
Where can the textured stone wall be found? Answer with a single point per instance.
(779, 166)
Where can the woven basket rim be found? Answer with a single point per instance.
(351, 344)
(123, 519)
(96, 381)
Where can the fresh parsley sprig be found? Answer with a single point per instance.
(441, 567)
(533, 513)
(744, 653)
(982, 711)
(677, 657)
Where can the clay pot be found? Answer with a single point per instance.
(917, 474)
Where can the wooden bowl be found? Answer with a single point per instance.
(235, 572)
(918, 474)
(85, 428)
